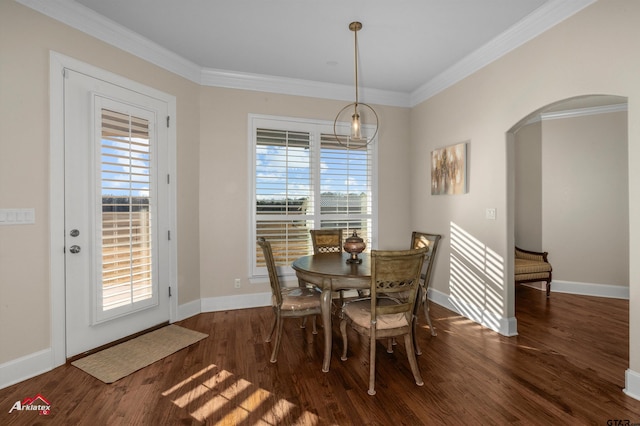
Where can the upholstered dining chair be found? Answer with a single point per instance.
(328, 241)
(430, 241)
(389, 312)
(287, 302)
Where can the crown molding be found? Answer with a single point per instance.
(86, 20)
(580, 112)
(572, 113)
(298, 87)
(542, 19)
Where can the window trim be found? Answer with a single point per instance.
(256, 121)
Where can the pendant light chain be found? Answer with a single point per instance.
(355, 43)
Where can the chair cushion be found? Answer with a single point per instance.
(299, 298)
(526, 266)
(360, 314)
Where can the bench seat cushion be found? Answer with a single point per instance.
(530, 266)
(526, 266)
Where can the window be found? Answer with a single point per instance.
(304, 179)
(126, 199)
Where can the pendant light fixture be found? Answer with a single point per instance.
(362, 117)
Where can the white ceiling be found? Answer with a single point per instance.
(408, 48)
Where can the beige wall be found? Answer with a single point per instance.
(528, 187)
(572, 196)
(212, 162)
(593, 52)
(585, 205)
(225, 188)
(26, 38)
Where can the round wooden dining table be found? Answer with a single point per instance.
(331, 272)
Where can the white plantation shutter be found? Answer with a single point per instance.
(305, 180)
(284, 194)
(125, 164)
(345, 188)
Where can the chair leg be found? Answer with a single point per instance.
(276, 345)
(315, 329)
(303, 322)
(273, 326)
(426, 314)
(415, 339)
(372, 363)
(408, 344)
(343, 332)
(425, 303)
(548, 287)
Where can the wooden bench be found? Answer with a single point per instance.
(532, 266)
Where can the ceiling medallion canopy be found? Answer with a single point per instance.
(363, 118)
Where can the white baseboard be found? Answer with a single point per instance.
(189, 309)
(502, 325)
(241, 301)
(26, 367)
(588, 289)
(223, 303)
(31, 365)
(632, 384)
(509, 326)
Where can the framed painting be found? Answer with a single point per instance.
(449, 170)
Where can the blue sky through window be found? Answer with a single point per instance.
(286, 172)
(126, 164)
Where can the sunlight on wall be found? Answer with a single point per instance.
(217, 395)
(477, 279)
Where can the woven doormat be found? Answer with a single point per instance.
(118, 361)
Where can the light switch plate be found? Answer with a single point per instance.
(17, 216)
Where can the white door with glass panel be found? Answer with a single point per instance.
(116, 195)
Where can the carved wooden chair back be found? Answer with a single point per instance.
(326, 240)
(287, 302)
(389, 312)
(430, 241)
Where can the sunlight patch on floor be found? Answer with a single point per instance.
(217, 395)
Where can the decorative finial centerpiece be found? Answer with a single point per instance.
(354, 245)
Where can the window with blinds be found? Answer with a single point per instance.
(304, 179)
(125, 196)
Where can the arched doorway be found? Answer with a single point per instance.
(568, 192)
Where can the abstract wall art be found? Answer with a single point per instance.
(449, 170)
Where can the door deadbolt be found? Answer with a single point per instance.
(74, 233)
(74, 249)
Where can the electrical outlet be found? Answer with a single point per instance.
(491, 213)
(237, 283)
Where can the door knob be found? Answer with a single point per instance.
(74, 249)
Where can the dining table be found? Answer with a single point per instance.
(331, 272)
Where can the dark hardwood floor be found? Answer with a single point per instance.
(566, 367)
